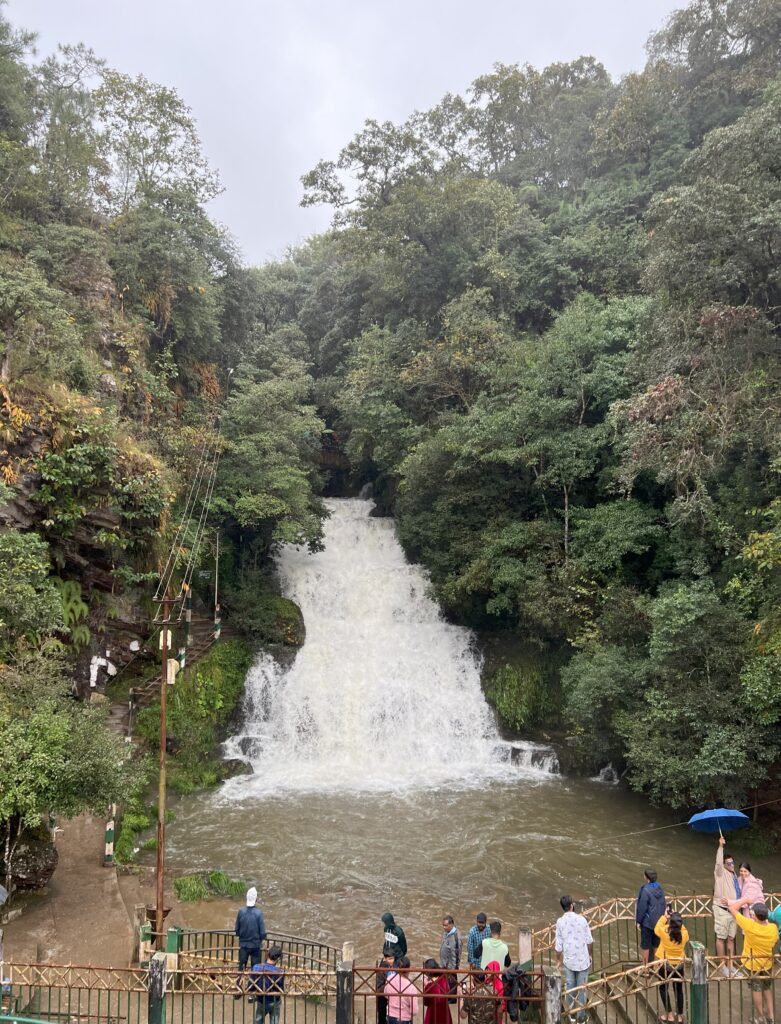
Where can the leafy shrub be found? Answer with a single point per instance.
(265, 617)
(202, 884)
(202, 703)
(521, 697)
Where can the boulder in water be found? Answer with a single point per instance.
(233, 766)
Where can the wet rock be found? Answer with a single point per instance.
(234, 766)
(34, 861)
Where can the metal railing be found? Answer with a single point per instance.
(636, 993)
(55, 994)
(220, 946)
(616, 936)
(470, 995)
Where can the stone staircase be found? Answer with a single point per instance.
(202, 639)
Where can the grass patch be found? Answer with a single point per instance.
(202, 884)
(202, 703)
(190, 888)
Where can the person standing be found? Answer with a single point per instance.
(450, 950)
(672, 935)
(268, 985)
(251, 932)
(493, 948)
(650, 907)
(401, 994)
(759, 940)
(394, 939)
(436, 989)
(574, 944)
(479, 1004)
(381, 1003)
(751, 890)
(477, 934)
(726, 887)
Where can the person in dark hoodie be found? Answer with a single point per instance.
(650, 907)
(394, 939)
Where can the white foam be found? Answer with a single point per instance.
(384, 694)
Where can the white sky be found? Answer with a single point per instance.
(276, 86)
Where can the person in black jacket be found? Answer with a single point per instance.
(650, 907)
(394, 940)
(251, 932)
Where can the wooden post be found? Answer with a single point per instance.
(156, 989)
(525, 948)
(139, 920)
(344, 986)
(698, 988)
(108, 848)
(551, 996)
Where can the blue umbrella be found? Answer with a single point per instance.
(720, 819)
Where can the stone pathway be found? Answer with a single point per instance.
(81, 918)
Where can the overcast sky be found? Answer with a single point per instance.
(276, 86)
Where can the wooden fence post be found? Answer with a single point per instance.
(108, 848)
(698, 988)
(344, 986)
(156, 989)
(525, 948)
(551, 996)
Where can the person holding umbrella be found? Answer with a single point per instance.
(726, 886)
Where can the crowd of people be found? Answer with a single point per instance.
(493, 984)
(739, 905)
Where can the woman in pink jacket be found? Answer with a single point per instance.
(750, 887)
(401, 994)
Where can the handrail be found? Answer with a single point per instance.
(622, 908)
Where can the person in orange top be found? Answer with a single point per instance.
(672, 937)
(759, 940)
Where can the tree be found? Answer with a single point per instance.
(55, 755)
(149, 140)
(29, 601)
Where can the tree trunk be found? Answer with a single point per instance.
(566, 522)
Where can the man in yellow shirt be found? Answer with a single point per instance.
(759, 940)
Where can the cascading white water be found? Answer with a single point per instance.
(384, 694)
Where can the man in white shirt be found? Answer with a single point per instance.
(573, 952)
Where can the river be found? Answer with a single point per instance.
(381, 782)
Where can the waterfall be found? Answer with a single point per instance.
(384, 694)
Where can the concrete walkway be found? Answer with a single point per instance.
(81, 919)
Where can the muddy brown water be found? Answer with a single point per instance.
(328, 866)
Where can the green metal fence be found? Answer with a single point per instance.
(220, 946)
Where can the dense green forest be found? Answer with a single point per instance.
(544, 326)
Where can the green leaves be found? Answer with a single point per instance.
(29, 601)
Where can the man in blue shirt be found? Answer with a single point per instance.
(650, 907)
(477, 933)
(268, 986)
(251, 932)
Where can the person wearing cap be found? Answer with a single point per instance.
(251, 932)
(759, 940)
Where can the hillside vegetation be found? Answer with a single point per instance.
(544, 326)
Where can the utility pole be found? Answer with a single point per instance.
(160, 875)
(217, 620)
